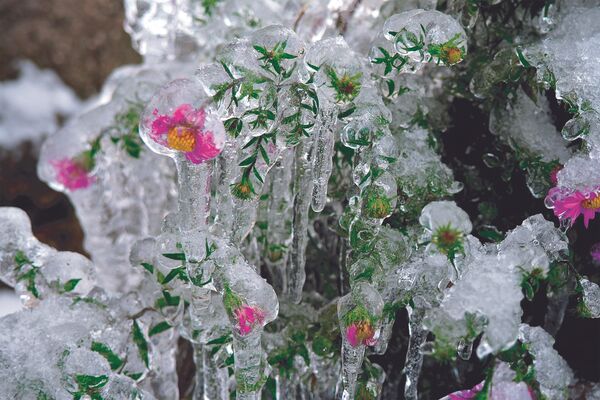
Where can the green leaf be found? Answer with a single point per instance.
(174, 273)
(347, 112)
(70, 285)
(522, 58)
(175, 256)
(105, 351)
(159, 328)
(220, 340)
(87, 382)
(248, 161)
(264, 154)
(148, 267)
(134, 375)
(140, 342)
(260, 49)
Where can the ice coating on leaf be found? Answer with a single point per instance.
(442, 213)
(534, 245)
(427, 35)
(570, 53)
(505, 385)
(35, 269)
(60, 360)
(572, 178)
(531, 126)
(591, 297)
(551, 370)
(491, 289)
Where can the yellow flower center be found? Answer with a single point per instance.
(364, 330)
(181, 138)
(591, 203)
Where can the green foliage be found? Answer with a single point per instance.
(114, 360)
(346, 86)
(24, 274)
(89, 385)
(140, 341)
(272, 59)
(283, 358)
(448, 241)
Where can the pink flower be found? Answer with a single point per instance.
(72, 174)
(185, 130)
(570, 206)
(466, 394)
(248, 317)
(360, 333)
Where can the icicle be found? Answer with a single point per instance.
(323, 159)
(227, 166)
(215, 378)
(199, 383)
(414, 356)
(278, 236)
(352, 358)
(302, 191)
(194, 195)
(384, 337)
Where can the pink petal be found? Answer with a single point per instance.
(351, 335)
(204, 150)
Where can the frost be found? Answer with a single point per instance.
(591, 297)
(30, 106)
(552, 371)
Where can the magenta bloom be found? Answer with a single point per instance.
(72, 174)
(466, 394)
(248, 317)
(185, 130)
(360, 333)
(570, 207)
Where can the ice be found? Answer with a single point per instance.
(445, 213)
(530, 125)
(569, 53)
(35, 269)
(121, 191)
(591, 297)
(32, 104)
(360, 316)
(426, 36)
(505, 387)
(551, 370)
(55, 360)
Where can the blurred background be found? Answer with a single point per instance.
(54, 55)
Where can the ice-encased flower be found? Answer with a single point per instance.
(72, 173)
(248, 317)
(185, 131)
(361, 332)
(570, 206)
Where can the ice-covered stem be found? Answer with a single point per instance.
(199, 377)
(194, 194)
(214, 379)
(323, 158)
(303, 185)
(414, 355)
